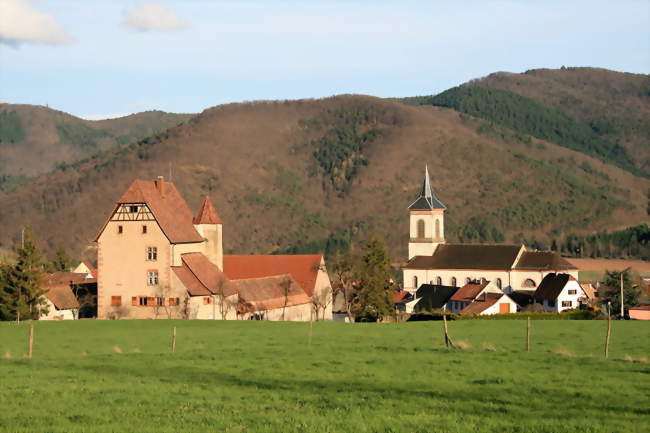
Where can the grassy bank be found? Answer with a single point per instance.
(102, 376)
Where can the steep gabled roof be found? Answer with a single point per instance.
(469, 291)
(468, 256)
(303, 268)
(551, 286)
(427, 199)
(207, 213)
(268, 293)
(482, 303)
(202, 277)
(433, 296)
(168, 207)
(543, 260)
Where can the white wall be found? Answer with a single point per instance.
(564, 296)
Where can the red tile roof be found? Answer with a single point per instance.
(469, 291)
(207, 214)
(303, 268)
(91, 268)
(482, 303)
(61, 296)
(202, 277)
(67, 278)
(168, 207)
(268, 293)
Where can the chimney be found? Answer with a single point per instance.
(160, 185)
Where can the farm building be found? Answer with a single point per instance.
(434, 261)
(60, 296)
(157, 260)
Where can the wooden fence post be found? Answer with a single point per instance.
(528, 335)
(609, 332)
(173, 339)
(448, 341)
(30, 343)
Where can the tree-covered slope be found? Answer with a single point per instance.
(35, 139)
(310, 174)
(531, 117)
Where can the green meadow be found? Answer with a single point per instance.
(120, 376)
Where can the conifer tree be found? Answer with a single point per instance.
(61, 261)
(374, 297)
(21, 295)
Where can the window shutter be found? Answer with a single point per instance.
(151, 301)
(134, 300)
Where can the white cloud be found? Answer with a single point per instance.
(153, 17)
(20, 22)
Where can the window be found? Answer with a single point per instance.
(437, 229)
(415, 282)
(499, 283)
(152, 278)
(116, 301)
(120, 230)
(468, 280)
(173, 302)
(529, 283)
(439, 281)
(566, 304)
(573, 291)
(453, 281)
(152, 253)
(160, 302)
(206, 301)
(143, 301)
(144, 230)
(551, 303)
(133, 209)
(420, 228)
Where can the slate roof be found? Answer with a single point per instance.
(482, 304)
(543, 260)
(268, 293)
(469, 291)
(207, 213)
(427, 199)
(551, 286)
(169, 208)
(201, 277)
(433, 296)
(303, 268)
(468, 256)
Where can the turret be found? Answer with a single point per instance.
(210, 226)
(427, 221)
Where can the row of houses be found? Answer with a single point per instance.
(555, 293)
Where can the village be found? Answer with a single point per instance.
(156, 259)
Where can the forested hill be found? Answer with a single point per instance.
(599, 112)
(310, 175)
(35, 139)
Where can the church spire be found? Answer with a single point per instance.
(427, 199)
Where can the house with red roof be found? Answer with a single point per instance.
(156, 259)
(481, 297)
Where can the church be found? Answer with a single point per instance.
(157, 259)
(511, 268)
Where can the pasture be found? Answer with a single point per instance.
(120, 376)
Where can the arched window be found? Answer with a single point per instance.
(437, 229)
(499, 283)
(439, 281)
(415, 282)
(453, 281)
(468, 280)
(420, 228)
(529, 283)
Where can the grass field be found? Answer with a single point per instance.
(119, 376)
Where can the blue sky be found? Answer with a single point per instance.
(106, 58)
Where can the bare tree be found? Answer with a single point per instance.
(320, 302)
(286, 289)
(344, 269)
(225, 305)
(163, 292)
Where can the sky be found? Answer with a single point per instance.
(98, 59)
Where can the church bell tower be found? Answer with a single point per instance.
(427, 221)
